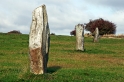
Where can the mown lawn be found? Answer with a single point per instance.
(101, 62)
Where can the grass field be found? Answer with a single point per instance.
(101, 62)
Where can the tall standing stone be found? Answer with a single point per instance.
(39, 41)
(96, 35)
(79, 37)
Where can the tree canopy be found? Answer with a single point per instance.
(104, 26)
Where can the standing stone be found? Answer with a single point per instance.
(39, 41)
(79, 37)
(96, 35)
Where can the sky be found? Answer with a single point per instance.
(63, 15)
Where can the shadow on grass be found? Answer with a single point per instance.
(30, 77)
(92, 51)
(99, 51)
(53, 69)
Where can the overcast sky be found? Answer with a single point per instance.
(63, 15)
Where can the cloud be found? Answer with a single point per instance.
(111, 10)
(15, 15)
(63, 15)
(114, 4)
(118, 19)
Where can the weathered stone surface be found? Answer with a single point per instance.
(79, 37)
(39, 41)
(96, 35)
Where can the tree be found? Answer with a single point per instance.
(73, 33)
(104, 26)
(14, 32)
(53, 34)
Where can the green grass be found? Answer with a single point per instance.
(100, 62)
